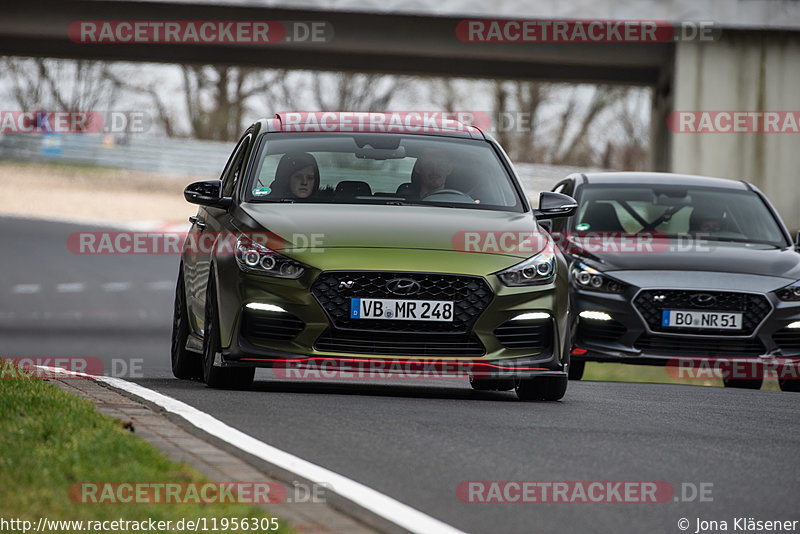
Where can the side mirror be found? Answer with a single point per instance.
(555, 205)
(206, 193)
(797, 241)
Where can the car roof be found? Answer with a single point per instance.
(369, 122)
(663, 178)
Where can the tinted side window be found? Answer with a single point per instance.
(235, 167)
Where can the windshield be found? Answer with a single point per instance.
(382, 168)
(715, 214)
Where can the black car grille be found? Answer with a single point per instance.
(695, 346)
(608, 331)
(399, 344)
(266, 325)
(470, 295)
(753, 308)
(787, 339)
(528, 335)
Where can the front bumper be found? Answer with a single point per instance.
(628, 338)
(490, 348)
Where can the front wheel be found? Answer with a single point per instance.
(186, 364)
(749, 383)
(789, 385)
(546, 388)
(219, 377)
(576, 368)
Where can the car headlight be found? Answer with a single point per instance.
(536, 270)
(585, 277)
(790, 292)
(252, 256)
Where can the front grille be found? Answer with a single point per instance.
(787, 338)
(470, 295)
(523, 334)
(266, 325)
(399, 344)
(608, 331)
(696, 346)
(753, 308)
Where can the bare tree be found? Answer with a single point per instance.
(350, 91)
(60, 85)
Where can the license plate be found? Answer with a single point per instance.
(404, 310)
(701, 319)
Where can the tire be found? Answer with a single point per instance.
(749, 383)
(576, 368)
(491, 384)
(219, 377)
(789, 385)
(546, 388)
(186, 364)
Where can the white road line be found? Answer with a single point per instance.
(116, 286)
(75, 287)
(26, 289)
(376, 502)
(161, 285)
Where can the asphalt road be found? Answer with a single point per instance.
(416, 441)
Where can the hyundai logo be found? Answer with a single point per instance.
(403, 286)
(703, 300)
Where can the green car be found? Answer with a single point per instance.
(359, 252)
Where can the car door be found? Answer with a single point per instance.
(209, 225)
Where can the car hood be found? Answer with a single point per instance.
(718, 264)
(354, 226)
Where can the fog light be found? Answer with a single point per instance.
(594, 315)
(264, 307)
(533, 316)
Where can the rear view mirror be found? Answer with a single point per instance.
(555, 205)
(206, 193)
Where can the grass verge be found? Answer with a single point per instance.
(50, 440)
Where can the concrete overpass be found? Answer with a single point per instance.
(752, 63)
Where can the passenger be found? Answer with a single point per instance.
(297, 176)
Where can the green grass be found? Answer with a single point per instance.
(50, 440)
(621, 372)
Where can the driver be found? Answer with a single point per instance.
(434, 167)
(705, 222)
(297, 176)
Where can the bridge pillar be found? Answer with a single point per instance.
(741, 71)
